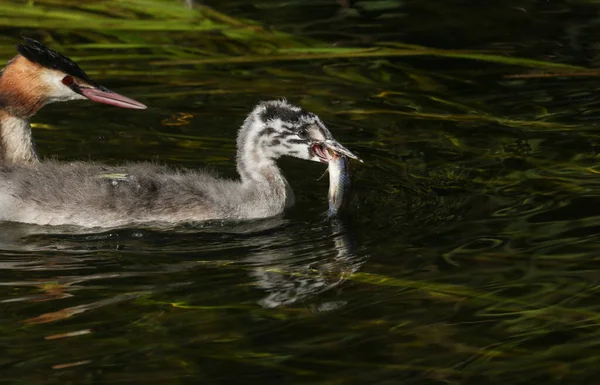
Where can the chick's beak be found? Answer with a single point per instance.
(336, 147)
(108, 97)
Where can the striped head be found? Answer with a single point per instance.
(276, 128)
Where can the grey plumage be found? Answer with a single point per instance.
(89, 194)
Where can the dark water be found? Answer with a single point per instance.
(472, 254)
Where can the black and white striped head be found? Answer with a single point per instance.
(276, 128)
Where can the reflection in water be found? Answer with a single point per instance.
(479, 200)
(288, 268)
(288, 281)
(72, 288)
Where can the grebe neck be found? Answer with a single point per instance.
(16, 144)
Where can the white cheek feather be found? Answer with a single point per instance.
(300, 150)
(57, 91)
(316, 134)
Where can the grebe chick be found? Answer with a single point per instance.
(94, 195)
(32, 79)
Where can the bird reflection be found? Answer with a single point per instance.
(289, 262)
(288, 281)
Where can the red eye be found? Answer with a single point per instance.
(67, 80)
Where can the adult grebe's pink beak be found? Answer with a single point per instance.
(108, 97)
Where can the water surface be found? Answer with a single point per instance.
(472, 252)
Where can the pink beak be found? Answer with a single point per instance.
(112, 98)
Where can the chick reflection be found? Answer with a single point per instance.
(288, 277)
(289, 262)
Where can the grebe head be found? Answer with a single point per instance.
(276, 128)
(39, 75)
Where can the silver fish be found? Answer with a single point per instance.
(339, 184)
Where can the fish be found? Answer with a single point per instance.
(339, 184)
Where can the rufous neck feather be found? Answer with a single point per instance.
(22, 93)
(21, 96)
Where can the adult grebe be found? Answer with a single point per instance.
(89, 194)
(32, 79)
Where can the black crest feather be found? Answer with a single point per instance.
(36, 52)
(282, 112)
